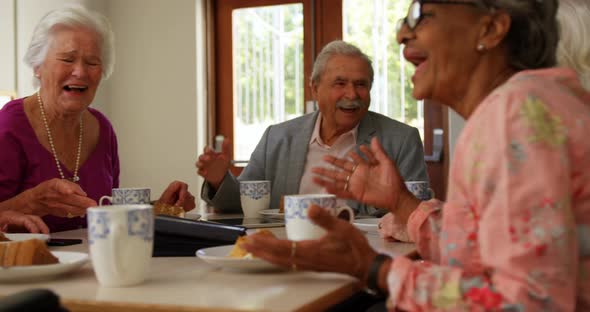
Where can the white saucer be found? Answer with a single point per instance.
(218, 256)
(370, 225)
(68, 261)
(272, 213)
(26, 236)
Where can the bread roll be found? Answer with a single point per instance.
(26, 252)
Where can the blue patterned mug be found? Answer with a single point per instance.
(121, 239)
(420, 189)
(132, 195)
(297, 224)
(254, 197)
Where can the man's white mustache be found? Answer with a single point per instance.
(350, 104)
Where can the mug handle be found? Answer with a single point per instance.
(348, 209)
(105, 197)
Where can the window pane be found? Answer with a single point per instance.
(370, 25)
(267, 70)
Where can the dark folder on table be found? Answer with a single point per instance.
(179, 237)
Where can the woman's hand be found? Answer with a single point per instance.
(33, 224)
(390, 228)
(177, 194)
(213, 166)
(56, 197)
(342, 249)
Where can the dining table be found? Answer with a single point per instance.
(191, 284)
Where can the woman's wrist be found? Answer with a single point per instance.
(383, 273)
(376, 281)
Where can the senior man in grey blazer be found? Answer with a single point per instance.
(341, 82)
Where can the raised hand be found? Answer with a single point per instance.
(372, 180)
(56, 197)
(12, 218)
(177, 194)
(212, 165)
(342, 249)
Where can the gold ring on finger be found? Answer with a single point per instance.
(354, 168)
(70, 215)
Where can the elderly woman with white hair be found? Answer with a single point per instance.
(59, 156)
(573, 49)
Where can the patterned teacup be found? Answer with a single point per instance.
(133, 195)
(121, 239)
(298, 225)
(254, 197)
(420, 189)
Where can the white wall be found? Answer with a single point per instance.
(7, 46)
(151, 96)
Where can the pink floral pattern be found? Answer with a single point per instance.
(513, 234)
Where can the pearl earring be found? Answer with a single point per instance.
(481, 47)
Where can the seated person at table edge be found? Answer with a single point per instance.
(341, 83)
(59, 156)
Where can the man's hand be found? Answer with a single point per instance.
(212, 165)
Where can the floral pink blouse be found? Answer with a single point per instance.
(514, 234)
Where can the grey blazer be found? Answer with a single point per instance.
(281, 153)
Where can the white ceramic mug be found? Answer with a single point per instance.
(298, 225)
(131, 195)
(121, 239)
(254, 197)
(420, 189)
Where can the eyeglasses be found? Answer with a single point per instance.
(415, 14)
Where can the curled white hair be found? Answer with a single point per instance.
(573, 49)
(71, 16)
(337, 47)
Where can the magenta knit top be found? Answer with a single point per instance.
(24, 162)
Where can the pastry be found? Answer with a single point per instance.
(3, 238)
(26, 252)
(169, 210)
(239, 252)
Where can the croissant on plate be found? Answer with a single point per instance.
(25, 252)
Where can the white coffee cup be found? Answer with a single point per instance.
(420, 189)
(254, 197)
(130, 195)
(298, 225)
(121, 239)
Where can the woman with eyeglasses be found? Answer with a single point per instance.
(514, 234)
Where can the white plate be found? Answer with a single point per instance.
(272, 213)
(25, 236)
(218, 256)
(370, 225)
(68, 261)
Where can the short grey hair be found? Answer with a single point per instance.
(573, 49)
(71, 16)
(533, 35)
(338, 47)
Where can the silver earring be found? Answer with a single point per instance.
(481, 47)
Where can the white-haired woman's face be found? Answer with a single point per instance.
(72, 69)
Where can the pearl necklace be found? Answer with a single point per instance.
(75, 178)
